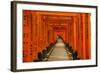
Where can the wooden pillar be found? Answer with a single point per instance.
(27, 51)
(34, 34)
(81, 36)
(39, 32)
(74, 30)
(84, 36)
(78, 35)
(46, 32)
(88, 37)
(69, 33)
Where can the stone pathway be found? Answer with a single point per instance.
(59, 52)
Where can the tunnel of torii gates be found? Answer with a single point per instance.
(40, 28)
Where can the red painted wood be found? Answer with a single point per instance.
(40, 28)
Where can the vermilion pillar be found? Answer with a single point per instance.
(27, 48)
